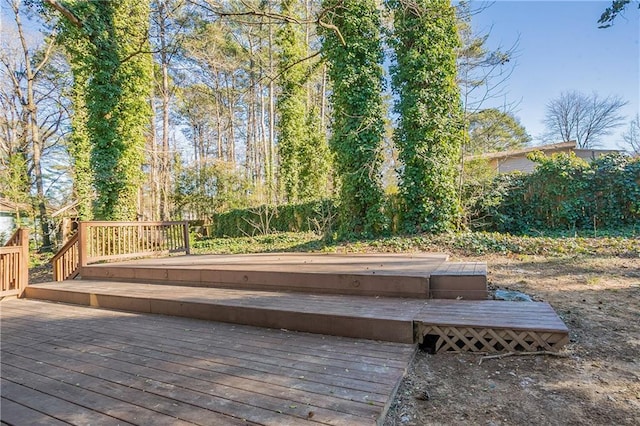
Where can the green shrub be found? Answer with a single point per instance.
(563, 193)
(315, 216)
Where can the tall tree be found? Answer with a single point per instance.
(167, 33)
(429, 133)
(301, 145)
(492, 130)
(290, 104)
(118, 62)
(482, 72)
(79, 142)
(25, 71)
(583, 118)
(353, 50)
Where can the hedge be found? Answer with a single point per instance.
(564, 193)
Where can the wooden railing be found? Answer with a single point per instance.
(66, 263)
(14, 264)
(103, 241)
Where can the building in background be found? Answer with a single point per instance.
(516, 160)
(8, 216)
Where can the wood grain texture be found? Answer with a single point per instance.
(71, 364)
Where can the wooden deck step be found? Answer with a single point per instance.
(490, 326)
(464, 280)
(388, 319)
(470, 325)
(388, 275)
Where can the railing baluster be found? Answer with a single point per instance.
(14, 263)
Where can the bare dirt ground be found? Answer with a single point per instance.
(598, 383)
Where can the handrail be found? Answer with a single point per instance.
(15, 239)
(14, 264)
(102, 240)
(66, 263)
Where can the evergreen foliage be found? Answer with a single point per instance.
(290, 104)
(493, 130)
(354, 57)
(210, 189)
(303, 217)
(79, 147)
(110, 51)
(429, 132)
(563, 193)
(304, 154)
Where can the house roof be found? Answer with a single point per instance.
(524, 151)
(9, 206)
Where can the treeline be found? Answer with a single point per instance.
(171, 108)
(564, 194)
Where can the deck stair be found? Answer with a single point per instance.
(395, 298)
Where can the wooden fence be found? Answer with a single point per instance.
(104, 241)
(14, 264)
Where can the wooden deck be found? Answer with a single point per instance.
(388, 275)
(400, 320)
(65, 364)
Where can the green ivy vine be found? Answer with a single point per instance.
(112, 70)
(429, 132)
(353, 50)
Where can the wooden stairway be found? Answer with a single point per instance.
(379, 297)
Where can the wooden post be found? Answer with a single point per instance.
(82, 245)
(23, 242)
(186, 237)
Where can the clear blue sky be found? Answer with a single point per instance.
(561, 49)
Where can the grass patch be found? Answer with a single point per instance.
(464, 244)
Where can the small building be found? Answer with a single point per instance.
(8, 215)
(516, 160)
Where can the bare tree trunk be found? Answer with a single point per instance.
(232, 136)
(165, 172)
(30, 73)
(323, 101)
(218, 98)
(154, 182)
(272, 120)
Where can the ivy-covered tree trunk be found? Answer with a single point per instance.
(79, 147)
(304, 164)
(107, 42)
(118, 106)
(290, 104)
(430, 131)
(354, 56)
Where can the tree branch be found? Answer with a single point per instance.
(65, 12)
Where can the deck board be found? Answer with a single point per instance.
(116, 367)
(336, 313)
(539, 316)
(389, 275)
